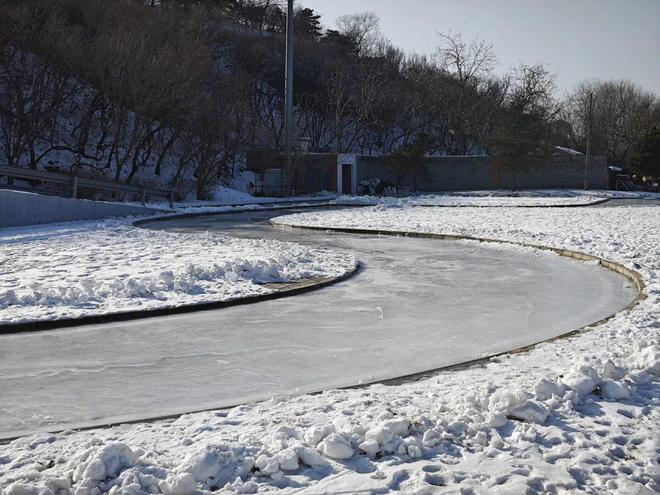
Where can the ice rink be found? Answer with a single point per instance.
(416, 305)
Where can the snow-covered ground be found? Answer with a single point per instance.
(78, 269)
(499, 198)
(578, 415)
(228, 196)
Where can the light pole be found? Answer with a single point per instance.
(288, 96)
(588, 150)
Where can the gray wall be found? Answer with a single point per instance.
(452, 173)
(19, 208)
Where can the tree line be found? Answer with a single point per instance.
(171, 92)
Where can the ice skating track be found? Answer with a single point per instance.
(417, 304)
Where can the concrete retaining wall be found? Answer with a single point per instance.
(18, 208)
(451, 173)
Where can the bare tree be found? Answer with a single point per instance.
(522, 133)
(622, 114)
(466, 60)
(363, 29)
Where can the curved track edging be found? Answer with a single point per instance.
(595, 202)
(298, 287)
(633, 276)
(576, 205)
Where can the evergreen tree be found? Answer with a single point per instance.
(522, 133)
(646, 159)
(409, 160)
(307, 23)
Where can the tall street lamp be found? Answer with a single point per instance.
(288, 96)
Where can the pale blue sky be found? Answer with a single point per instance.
(577, 39)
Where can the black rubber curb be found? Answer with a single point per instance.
(633, 276)
(576, 205)
(294, 288)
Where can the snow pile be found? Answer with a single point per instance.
(85, 268)
(577, 415)
(452, 200)
(498, 198)
(224, 196)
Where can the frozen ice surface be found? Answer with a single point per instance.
(419, 304)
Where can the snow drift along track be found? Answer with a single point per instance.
(420, 304)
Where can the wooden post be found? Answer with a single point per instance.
(74, 193)
(171, 200)
(144, 196)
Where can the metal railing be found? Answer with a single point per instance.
(75, 182)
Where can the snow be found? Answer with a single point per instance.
(226, 196)
(497, 198)
(474, 198)
(336, 447)
(513, 425)
(570, 151)
(79, 269)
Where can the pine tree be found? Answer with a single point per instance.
(646, 159)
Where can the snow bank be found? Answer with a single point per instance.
(577, 415)
(498, 198)
(475, 198)
(88, 268)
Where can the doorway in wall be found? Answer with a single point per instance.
(346, 178)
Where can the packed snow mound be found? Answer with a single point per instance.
(87, 268)
(476, 198)
(227, 195)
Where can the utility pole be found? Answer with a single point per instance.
(588, 150)
(288, 97)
